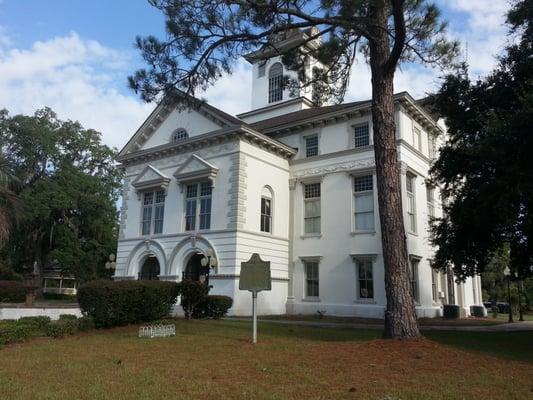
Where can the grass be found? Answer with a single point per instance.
(505, 317)
(215, 360)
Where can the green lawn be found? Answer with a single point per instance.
(215, 360)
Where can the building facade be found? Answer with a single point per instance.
(293, 182)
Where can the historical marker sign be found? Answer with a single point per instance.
(255, 277)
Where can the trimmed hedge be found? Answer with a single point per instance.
(112, 303)
(213, 306)
(85, 324)
(12, 332)
(451, 311)
(37, 323)
(62, 327)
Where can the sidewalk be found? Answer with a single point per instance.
(514, 327)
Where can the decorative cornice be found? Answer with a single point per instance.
(242, 132)
(159, 181)
(331, 169)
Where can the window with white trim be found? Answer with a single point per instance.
(434, 280)
(198, 206)
(413, 277)
(153, 210)
(411, 202)
(179, 134)
(266, 214)
(417, 138)
(311, 278)
(365, 278)
(312, 208)
(432, 150)
(430, 195)
(361, 135)
(275, 83)
(311, 146)
(363, 192)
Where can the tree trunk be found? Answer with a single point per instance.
(400, 315)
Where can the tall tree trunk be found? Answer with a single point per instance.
(400, 315)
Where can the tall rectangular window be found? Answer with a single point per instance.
(153, 210)
(275, 83)
(432, 151)
(411, 202)
(312, 208)
(434, 280)
(364, 203)
(311, 278)
(361, 135)
(413, 275)
(311, 146)
(365, 279)
(198, 206)
(417, 138)
(266, 215)
(430, 195)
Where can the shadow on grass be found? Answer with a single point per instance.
(511, 345)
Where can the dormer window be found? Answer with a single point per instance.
(178, 135)
(275, 83)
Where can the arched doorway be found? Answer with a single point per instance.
(194, 270)
(150, 269)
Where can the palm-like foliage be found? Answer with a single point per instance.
(10, 205)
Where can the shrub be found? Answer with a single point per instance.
(7, 274)
(213, 307)
(12, 292)
(192, 293)
(68, 317)
(11, 332)
(62, 327)
(38, 323)
(126, 302)
(85, 323)
(451, 311)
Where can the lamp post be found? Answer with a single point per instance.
(507, 273)
(519, 283)
(207, 263)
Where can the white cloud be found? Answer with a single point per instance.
(79, 79)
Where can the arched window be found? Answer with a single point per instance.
(179, 135)
(275, 83)
(150, 270)
(266, 210)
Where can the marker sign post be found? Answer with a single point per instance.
(255, 276)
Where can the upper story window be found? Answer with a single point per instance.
(275, 83)
(417, 138)
(153, 210)
(364, 203)
(312, 208)
(178, 135)
(198, 206)
(266, 210)
(361, 135)
(432, 151)
(261, 69)
(430, 195)
(311, 146)
(411, 202)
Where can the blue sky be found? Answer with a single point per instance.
(75, 56)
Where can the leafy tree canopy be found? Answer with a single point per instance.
(68, 185)
(485, 168)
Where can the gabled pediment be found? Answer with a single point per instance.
(197, 117)
(194, 169)
(150, 179)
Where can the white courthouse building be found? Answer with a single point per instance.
(290, 181)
